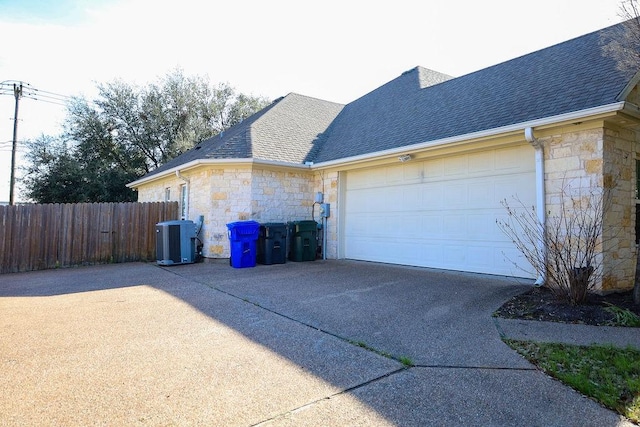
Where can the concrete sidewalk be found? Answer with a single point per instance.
(531, 330)
(314, 343)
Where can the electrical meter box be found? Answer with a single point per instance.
(325, 211)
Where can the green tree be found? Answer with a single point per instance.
(126, 132)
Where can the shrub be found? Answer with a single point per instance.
(565, 251)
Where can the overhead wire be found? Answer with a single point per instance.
(8, 88)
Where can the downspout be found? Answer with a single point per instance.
(188, 185)
(540, 196)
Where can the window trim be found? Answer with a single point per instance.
(184, 201)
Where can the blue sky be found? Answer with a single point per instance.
(336, 50)
(66, 12)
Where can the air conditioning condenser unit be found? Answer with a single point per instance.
(176, 242)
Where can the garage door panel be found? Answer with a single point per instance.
(393, 198)
(431, 254)
(483, 227)
(458, 165)
(361, 200)
(413, 172)
(453, 256)
(481, 194)
(455, 195)
(481, 162)
(432, 196)
(407, 226)
(519, 186)
(439, 213)
(394, 174)
(511, 159)
(515, 263)
(433, 169)
(432, 226)
(412, 197)
(454, 226)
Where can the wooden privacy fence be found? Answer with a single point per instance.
(37, 237)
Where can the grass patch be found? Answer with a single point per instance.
(366, 346)
(406, 361)
(623, 316)
(607, 374)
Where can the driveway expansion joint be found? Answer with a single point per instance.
(300, 322)
(329, 397)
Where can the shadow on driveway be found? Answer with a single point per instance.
(314, 343)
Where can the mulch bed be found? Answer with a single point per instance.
(539, 303)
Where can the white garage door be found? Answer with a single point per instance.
(439, 213)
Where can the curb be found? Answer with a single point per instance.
(568, 333)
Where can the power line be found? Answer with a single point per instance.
(19, 90)
(28, 91)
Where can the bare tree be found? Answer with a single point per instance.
(565, 250)
(624, 48)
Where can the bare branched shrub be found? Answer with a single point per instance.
(624, 47)
(567, 251)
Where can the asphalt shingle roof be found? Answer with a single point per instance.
(287, 131)
(422, 105)
(571, 76)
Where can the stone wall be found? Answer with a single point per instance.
(155, 191)
(281, 196)
(229, 194)
(619, 175)
(222, 195)
(583, 165)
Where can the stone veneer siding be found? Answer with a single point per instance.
(583, 161)
(227, 194)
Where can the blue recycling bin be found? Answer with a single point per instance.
(243, 236)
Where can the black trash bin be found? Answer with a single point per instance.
(272, 243)
(303, 240)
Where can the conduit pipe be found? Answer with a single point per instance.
(540, 196)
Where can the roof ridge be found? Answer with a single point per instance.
(310, 97)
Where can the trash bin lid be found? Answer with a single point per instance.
(307, 225)
(244, 227)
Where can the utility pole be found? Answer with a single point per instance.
(17, 92)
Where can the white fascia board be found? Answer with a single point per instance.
(223, 162)
(567, 117)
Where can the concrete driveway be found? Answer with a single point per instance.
(313, 343)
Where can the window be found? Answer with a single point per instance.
(167, 194)
(184, 201)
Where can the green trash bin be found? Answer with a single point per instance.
(303, 243)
